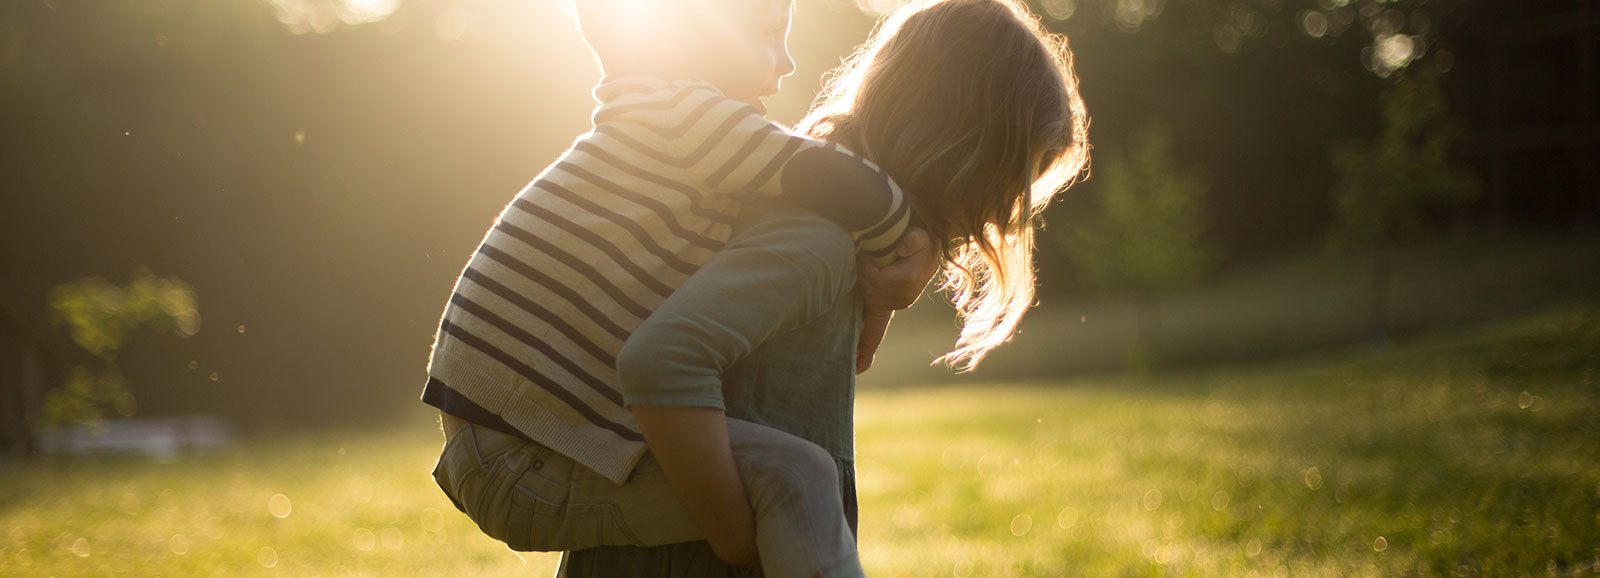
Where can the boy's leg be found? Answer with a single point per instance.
(534, 499)
(528, 496)
(793, 485)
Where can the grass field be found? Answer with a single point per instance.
(1475, 454)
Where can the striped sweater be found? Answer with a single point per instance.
(603, 235)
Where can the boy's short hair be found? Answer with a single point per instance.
(620, 30)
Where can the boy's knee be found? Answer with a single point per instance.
(792, 470)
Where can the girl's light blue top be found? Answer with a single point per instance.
(776, 312)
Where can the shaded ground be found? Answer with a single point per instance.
(1460, 455)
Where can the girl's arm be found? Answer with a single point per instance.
(891, 288)
(779, 275)
(691, 443)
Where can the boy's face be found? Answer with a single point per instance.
(748, 56)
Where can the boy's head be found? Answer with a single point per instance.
(739, 46)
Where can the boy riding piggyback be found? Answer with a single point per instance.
(546, 432)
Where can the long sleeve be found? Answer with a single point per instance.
(727, 147)
(779, 275)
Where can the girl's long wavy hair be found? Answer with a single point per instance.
(973, 108)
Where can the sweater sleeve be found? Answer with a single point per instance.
(727, 147)
(779, 275)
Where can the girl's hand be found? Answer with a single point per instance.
(873, 327)
(897, 285)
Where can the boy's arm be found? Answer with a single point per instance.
(727, 147)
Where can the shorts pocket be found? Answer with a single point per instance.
(477, 470)
(546, 516)
(456, 464)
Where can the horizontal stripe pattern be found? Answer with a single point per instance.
(597, 242)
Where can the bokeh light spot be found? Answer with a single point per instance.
(1380, 544)
(363, 540)
(1152, 500)
(963, 569)
(267, 557)
(279, 506)
(1314, 23)
(178, 544)
(1067, 518)
(1060, 9)
(392, 538)
(452, 24)
(129, 504)
(1021, 524)
(432, 520)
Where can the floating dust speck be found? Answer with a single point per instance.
(279, 506)
(299, 137)
(363, 540)
(214, 376)
(1020, 524)
(241, 329)
(1187, 491)
(1252, 548)
(1525, 400)
(178, 544)
(193, 365)
(1380, 544)
(80, 548)
(963, 569)
(267, 557)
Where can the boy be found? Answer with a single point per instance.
(527, 348)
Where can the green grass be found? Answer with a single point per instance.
(1474, 454)
(1263, 310)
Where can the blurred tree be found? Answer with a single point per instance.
(1386, 185)
(99, 315)
(1144, 239)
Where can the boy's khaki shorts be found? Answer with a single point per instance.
(534, 499)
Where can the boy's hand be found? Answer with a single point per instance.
(897, 285)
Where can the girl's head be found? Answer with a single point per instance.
(973, 108)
